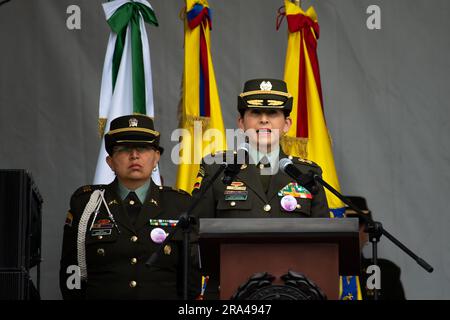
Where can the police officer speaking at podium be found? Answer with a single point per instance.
(260, 190)
(111, 230)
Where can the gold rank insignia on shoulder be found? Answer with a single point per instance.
(305, 161)
(112, 202)
(87, 189)
(201, 171)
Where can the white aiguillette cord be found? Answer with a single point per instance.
(93, 205)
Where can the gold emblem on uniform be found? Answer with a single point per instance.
(153, 201)
(237, 186)
(133, 122)
(265, 86)
(167, 250)
(305, 160)
(112, 202)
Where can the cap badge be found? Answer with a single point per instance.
(133, 122)
(265, 86)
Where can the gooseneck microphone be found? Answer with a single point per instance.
(233, 168)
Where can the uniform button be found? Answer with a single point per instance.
(134, 239)
(100, 237)
(290, 157)
(267, 208)
(101, 252)
(131, 202)
(133, 284)
(243, 166)
(261, 166)
(133, 261)
(232, 203)
(298, 206)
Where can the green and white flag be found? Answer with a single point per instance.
(127, 76)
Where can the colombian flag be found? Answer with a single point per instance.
(309, 136)
(200, 103)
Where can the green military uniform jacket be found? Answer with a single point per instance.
(116, 261)
(254, 202)
(250, 200)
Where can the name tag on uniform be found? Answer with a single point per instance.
(101, 232)
(235, 195)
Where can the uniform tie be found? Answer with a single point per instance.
(264, 166)
(133, 206)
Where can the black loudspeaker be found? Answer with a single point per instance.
(20, 232)
(14, 285)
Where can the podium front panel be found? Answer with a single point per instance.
(318, 262)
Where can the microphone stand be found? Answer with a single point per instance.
(184, 223)
(374, 229)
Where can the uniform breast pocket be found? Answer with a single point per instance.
(101, 247)
(170, 257)
(233, 205)
(303, 206)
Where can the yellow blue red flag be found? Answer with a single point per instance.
(201, 109)
(309, 136)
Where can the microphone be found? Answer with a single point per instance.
(232, 169)
(304, 179)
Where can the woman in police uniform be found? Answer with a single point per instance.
(111, 230)
(260, 190)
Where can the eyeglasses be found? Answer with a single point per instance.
(129, 149)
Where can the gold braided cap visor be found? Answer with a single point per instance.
(133, 129)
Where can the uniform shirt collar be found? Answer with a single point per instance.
(257, 156)
(141, 192)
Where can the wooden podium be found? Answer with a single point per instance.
(321, 249)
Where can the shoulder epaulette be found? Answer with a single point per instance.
(88, 189)
(222, 155)
(167, 188)
(304, 161)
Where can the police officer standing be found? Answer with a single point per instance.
(111, 230)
